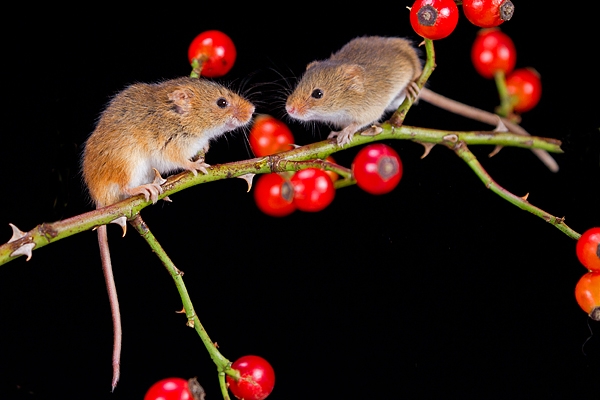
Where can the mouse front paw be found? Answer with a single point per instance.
(151, 191)
(343, 137)
(199, 165)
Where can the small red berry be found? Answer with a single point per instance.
(313, 189)
(215, 51)
(169, 389)
(434, 19)
(493, 51)
(274, 195)
(269, 136)
(488, 13)
(588, 249)
(257, 378)
(587, 294)
(377, 168)
(525, 88)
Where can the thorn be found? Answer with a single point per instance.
(295, 145)
(24, 250)
(451, 138)
(122, 222)
(216, 345)
(428, 147)
(167, 199)
(495, 151)
(248, 178)
(158, 179)
(373, 130)
(181, 312)
(525, 197)
(500, 127)
(17, 233)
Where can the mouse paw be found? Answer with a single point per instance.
(343, 137)
(413, 90)
(199, 165)
(151, 191)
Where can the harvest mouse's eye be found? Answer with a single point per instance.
(317, 94)
(222, 103)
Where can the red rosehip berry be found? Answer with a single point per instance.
(493, 51)
(269, 136)
(257, 378)
(434, 19)
(215, 51)
(525, 88)
(488, 13)
(587, 294)
(274, 195)
(377, 168)
(588, 249)
(313, 189)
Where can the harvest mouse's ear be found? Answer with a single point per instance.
(311, 64)
(181, 99)
(354, 75)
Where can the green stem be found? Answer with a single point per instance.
(505, 108)
(465, 154)
(193, 321)
(397, 119)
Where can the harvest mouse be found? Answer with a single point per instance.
(368, 77)
(160, 126)
(356, 85)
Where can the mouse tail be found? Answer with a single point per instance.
(114, 303)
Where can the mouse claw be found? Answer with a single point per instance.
(248, 178)
(199, 165)
(343, 137)
(122, 222)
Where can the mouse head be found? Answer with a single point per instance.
(207, 108)
(326, 90)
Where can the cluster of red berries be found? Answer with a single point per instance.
(436, 19)
(377, 169)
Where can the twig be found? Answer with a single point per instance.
(463, 152)
(47, 233)
(486, 117)
(222, 363)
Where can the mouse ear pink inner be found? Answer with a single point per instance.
(181, 98)
(354, 74)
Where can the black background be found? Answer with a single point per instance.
(438, 290)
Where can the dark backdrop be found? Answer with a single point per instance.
(438, 290)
